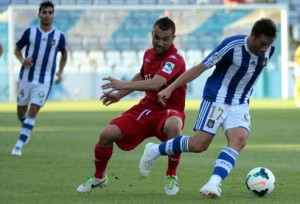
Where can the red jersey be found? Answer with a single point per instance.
(170, 65)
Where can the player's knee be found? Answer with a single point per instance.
(109, 135)
(173, 129)
(21, 118)
(173, 132)
(238, 143)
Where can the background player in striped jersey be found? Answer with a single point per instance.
(162, 65)
(238, 62)
(36, 76)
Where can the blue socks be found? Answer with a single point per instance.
(175, 146)
(224, 164)
(26, 129)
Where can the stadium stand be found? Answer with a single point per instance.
(130, 31)
(113, 41)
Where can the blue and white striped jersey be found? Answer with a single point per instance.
(236, 71)
(42, 48)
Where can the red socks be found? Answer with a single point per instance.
(173, 162)
(102, 156)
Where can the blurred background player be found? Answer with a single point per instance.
(297, 76)
(38, 68)
(161, 66)
(238, 62)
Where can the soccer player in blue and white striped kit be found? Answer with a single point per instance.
(36, 76)
(238, 61)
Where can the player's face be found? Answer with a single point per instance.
(46, 16)
(259, 44)
(162, 40)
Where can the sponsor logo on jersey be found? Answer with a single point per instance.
(215, 58)
(168, 68)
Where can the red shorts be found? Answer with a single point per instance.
(139, 123)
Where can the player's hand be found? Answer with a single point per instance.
(163, 96)
(113, 84)
(109, 97)
(59, 78)
(27, 63)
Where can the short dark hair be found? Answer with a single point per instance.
(46, 4)
(165, 24)
(265, 26)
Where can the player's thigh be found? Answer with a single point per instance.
(238, 116)
(132, 132)
(237, 137)
(110, 134)
(23, 93)
(39, 94)
(210, 117)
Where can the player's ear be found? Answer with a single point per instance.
(252, 35)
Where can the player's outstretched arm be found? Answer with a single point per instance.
(140, 84)
(185, 78)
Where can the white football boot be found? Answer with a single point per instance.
(211, 191)
(91, 183)
(16, 151)
(146, 161)
(171, 185)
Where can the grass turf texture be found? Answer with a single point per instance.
(59, 157)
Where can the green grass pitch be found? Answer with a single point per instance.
(59, 157)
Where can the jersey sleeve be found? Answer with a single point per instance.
(220, 52)
(62, 46)
(24, 40)
(214, 57)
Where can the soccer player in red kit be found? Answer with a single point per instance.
(162, 65)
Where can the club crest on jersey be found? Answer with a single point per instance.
(215, 58)
(210, 123)
(168, 68)
(52, 41)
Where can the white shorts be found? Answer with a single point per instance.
(212, 115)
(32, 93)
